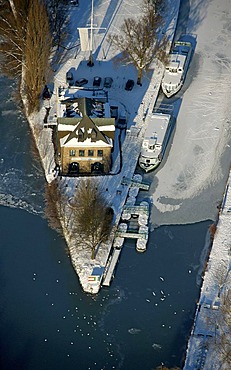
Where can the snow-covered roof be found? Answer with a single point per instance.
(84, 133)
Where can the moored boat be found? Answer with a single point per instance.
(159, 128)
(176, 69)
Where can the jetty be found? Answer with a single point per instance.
(110, 271)
(135, 183)
(136, 228)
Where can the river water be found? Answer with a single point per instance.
(46, 321)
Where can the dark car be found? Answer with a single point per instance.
(46, 93)
(81, 82)
(129, 85)
(108, 82)
(97, 81)
(69, 78)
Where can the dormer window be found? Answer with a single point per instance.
(93, 135)
(80, 134)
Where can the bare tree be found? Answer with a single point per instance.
(54, 200)
(92, 216)
(13, 17)
(139, 39)
(224, 338)
(37, 52)
(57, 12)
(25, 45)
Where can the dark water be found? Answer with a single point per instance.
(46, 321)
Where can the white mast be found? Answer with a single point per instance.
(90, 61)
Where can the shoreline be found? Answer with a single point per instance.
(202, 342)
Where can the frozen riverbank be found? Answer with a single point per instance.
(209, 325)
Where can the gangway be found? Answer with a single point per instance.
(131, 182)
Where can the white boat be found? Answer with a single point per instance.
(141, 244)
(176, 69)
(159, 128)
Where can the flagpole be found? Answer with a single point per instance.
(90, 61)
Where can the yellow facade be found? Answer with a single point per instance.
(85, 157)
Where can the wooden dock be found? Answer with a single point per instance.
(136, 210)
(131, 182)
(132, 235)
(111, 268)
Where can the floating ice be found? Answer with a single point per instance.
(134, 331)
(156, 346)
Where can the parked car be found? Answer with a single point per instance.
(81, 82)
(129, 85)
(114, 111)
(97, 81)
(69, 78)
(108, 82)
(46, 93)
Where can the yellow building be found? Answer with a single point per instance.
(84, 144)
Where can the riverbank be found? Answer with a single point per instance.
(209, 325)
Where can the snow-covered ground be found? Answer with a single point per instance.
(202, 348)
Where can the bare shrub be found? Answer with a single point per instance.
(92, 215)
(53, 199)
(139, 40)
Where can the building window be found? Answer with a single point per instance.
(100, 153)
(72, 152)
(90, 153)
(80, 134)
(82, 153)
(93, 135)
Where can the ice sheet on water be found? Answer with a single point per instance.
(18, 189)
(9, 200)
(9, 112)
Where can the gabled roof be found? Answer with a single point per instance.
(86, 125)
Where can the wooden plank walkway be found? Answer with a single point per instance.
(111, 268)
(132, 235)
(131, 182)
(137, 210)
